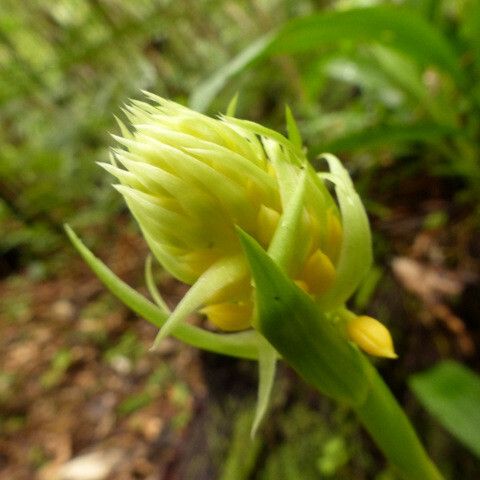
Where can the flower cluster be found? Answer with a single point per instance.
(191, 181)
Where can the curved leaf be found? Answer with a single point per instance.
(451, 393)
(356, 250)
(267, 361)
(380, 135)
(392, 26)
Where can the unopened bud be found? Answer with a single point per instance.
(371, 336)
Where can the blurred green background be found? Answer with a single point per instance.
(391, 87)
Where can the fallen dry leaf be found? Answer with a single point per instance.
(433, 285)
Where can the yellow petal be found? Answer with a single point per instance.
(318, 273)
(303, 285)
(334, 234)
(229, 316)
(201, 260)
(267, 222)
(371, 336)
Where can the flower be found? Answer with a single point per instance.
(191, 181)
(272, 250)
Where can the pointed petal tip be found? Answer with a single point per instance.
(391, 355)
(124, 190)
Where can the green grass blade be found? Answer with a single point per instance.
(399, 28)
(267, 360)
(243, 451)
(152, 288)
(392, 26)
(203, 95)
(385, 135)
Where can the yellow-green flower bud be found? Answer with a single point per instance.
(371, 336)
(191, 180)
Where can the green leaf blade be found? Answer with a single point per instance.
(392, 26)
(451, 393)
(292, 128)
(385, 135)
(203, 95)
(267, 360)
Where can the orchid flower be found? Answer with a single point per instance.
(271, 249)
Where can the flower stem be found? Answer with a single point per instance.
(393, 433)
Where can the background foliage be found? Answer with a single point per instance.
(391, 87)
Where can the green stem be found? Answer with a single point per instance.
(390, 428)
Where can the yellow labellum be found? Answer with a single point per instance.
(371, 336)
(229, 316)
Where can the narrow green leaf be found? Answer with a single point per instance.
(451, 393)
(232, 106)
(470, 30)
(396, 27)
(152, 288)
(267, 359)
(292, 128)
(203, 95)
(289, 319)
(406, 74)
(387, 135)
(240, 462)
(243, 344)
